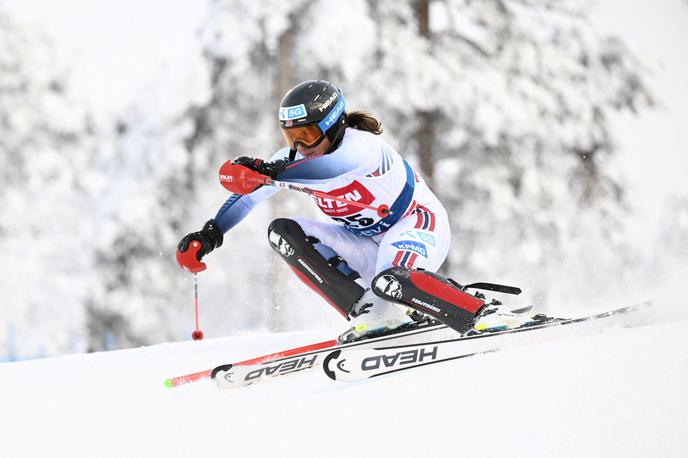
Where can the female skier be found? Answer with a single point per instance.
(366, 259)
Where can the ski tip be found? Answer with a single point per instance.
(168, 383)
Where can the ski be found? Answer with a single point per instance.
(241, 374)
(299, 359)
(352, 364)
(423, 331)
(245, 373)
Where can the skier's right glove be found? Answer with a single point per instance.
(210, 237)
(271, 169)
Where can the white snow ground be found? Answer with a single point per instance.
(623, 392)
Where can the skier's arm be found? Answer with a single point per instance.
(236, 207)
(321, 168)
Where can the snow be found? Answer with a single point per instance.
(622, 392)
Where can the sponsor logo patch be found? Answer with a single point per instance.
(427, 238)
(291, 113)
(422, 236)
(410, 245)
(355, 192)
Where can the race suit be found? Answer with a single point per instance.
(364, 169)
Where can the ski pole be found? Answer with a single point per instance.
(242, 180)
(197, 334)
(193, 265)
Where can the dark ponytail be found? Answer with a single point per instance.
(361, 120)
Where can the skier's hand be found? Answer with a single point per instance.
(210, 237)
(239, 179)
(271, 169)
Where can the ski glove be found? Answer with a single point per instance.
(271, 169)
(210, 237)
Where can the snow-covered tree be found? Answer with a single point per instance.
(533, 143)
(141, 295)
(45, 190)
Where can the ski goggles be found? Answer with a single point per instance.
(307, 136)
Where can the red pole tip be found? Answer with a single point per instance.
(197, 335)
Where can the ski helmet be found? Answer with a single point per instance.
(312, 111)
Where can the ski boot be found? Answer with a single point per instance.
(373, 316)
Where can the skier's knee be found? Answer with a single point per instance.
(287, 237)
(317, 265)
(284, 234)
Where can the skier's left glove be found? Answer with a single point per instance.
(209, 238)
(271, 169)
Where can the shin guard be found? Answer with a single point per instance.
(429, 293)
(328, 275)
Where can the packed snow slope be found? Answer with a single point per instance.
(622, 392)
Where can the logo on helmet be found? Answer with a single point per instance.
(291, 113)
(329, 119)
(328, 102)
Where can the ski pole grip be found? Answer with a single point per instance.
(239, 179)
(188, 259)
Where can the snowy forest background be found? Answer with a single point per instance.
(552, 130)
